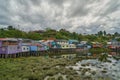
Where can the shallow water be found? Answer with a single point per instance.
(101, 69)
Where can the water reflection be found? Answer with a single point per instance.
(83, 54)
(66, 56)
(93, 67)
(101, 69)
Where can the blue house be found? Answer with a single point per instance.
(26, 43)
(33, 48)
(80, 46)
(83, 46)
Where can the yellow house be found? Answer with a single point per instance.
(67, 46)
(64, 44)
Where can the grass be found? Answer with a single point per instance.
(99, 50)
(32, 68)
(35, 68)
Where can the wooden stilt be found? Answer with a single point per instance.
(0, 56)
(6, 55)
(14, 55)
(9, 55)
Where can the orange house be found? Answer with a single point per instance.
(97, 45)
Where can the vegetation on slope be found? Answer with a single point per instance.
(101, 36)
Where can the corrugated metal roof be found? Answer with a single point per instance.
(8, 39)
(61, 40)
(73, 40)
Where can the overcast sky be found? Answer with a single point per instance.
(82, 16)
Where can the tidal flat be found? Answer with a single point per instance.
(46, 68)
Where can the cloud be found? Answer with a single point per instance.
(82, 16)
(56, 2)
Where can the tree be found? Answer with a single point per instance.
(104, 32)
(75, 35)
(116, 34)
(59, 36)
(100, 33)
(2, 32)
(10, 28)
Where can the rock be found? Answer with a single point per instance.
(114, 64)
(83, 65)
(93, 72)
(52, 78)
(109, 61)
(88, 69)
(71, 68)
(104, 71)
(70, 77)
(60, 78)
(46, 68)
(92, 64)
(80, 68)
(88, 78)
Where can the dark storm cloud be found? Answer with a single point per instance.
(82, 16)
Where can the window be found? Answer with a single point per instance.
(27, 48)
(10, 48)
(18, 47)
(14, 48)
(24, 48)
(3, 49)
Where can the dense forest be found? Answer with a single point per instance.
(101, 36)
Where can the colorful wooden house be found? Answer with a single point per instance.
(64, 44)
(25, 47)
(26, 43)
(97, 45)
(83, 42)
(41, 46)
(80, 46)
(61, 42)
(10, 46)
(113, 44)
(54, 45)
(50, 44)
(67, 46)
(44, 47)
(72, 46)
(33, 48)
